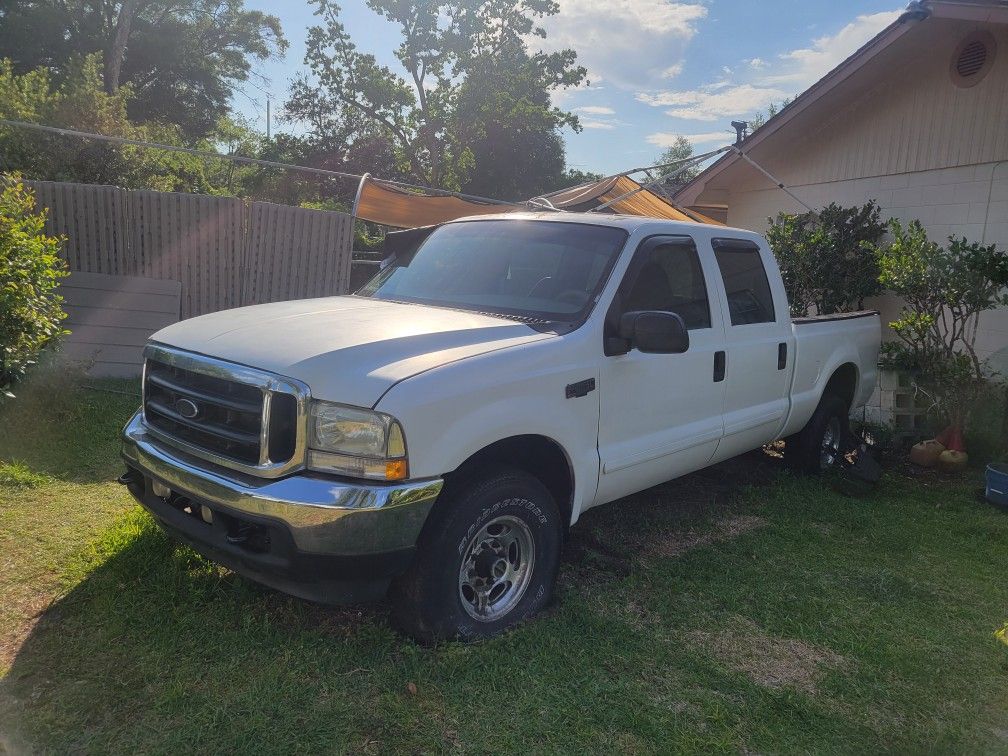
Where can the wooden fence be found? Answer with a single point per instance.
(226, 252)
(110, 319)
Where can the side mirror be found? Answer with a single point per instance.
(654, 331)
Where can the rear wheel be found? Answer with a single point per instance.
(822, 442)
(486, 560)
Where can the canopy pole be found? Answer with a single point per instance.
(360, 191)
(683, 164)
(774, 179)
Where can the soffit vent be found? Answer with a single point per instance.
(973, 59)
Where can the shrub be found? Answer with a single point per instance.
(944, 291)
(828, 259)
(30, 269)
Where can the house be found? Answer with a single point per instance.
(916, 120)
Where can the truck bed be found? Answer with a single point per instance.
(823, 343)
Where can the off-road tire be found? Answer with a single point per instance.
(427, 601)
(804, 450)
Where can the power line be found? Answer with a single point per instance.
(207, 154)
(175, 148)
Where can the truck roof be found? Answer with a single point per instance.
(629, 223)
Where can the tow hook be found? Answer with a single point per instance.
(128, 478)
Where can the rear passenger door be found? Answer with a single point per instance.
(757, 346)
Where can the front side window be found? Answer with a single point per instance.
(670, 278)
(745, 281)
(539, 270)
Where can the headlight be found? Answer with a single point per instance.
(355, 442)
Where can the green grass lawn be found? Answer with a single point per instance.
(739, 609)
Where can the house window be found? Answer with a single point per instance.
(972, 59)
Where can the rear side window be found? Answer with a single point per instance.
(669, 278)
(745, 281)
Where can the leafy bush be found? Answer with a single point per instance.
(944, 291)
(827, 259)
(30, 269)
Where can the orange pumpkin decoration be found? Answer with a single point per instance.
(926, 453)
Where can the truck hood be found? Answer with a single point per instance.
(347, 349)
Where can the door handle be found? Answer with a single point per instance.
(782, 355)
(719, 366)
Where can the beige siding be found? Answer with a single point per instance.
(110, 318)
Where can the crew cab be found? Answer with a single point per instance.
(434, 436)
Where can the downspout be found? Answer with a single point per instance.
(990, 192)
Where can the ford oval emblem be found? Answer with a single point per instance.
(186, 408)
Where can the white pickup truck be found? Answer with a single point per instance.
(435, 435)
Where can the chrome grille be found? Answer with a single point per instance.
(228, 414)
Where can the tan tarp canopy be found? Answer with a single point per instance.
(391, 205)
(644, 202)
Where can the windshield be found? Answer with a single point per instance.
(538, 270)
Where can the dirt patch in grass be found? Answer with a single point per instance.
(769, 661)
(726, 529)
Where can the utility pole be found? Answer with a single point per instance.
(267, 116)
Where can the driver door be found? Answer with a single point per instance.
(661, 414)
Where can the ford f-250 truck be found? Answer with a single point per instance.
(436, 434)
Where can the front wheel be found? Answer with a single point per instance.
(819, 446)
(486, 560)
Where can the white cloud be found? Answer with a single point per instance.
(630, 43)
(672, 71)
(667, 139)
(596, 110)
(594, 124)
(710, 105)
(807, 65)
(763, 82)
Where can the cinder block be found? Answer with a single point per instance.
(970, 191)
(925, 213)
(888, 380)
(896, 181)
(908, 197)
(924, 178)
(956, 175)
(998, 212)
(972, 231)
(951, 214)
(999, 190)
(937, 232)
(977, 212)
(938, 194)
(983, 172)
(882, 197)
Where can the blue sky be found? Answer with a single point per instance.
(656, 68)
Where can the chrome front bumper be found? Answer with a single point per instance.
(324, 515)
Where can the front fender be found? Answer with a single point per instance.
(451, 413)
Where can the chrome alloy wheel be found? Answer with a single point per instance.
(496, 568)
(829, 451)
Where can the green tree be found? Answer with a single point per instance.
(468, 79)
(81, 102)
(828, 258)
(30, 269)
(680, 149)
(762, 116)
(182, 58)
(944, 291)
